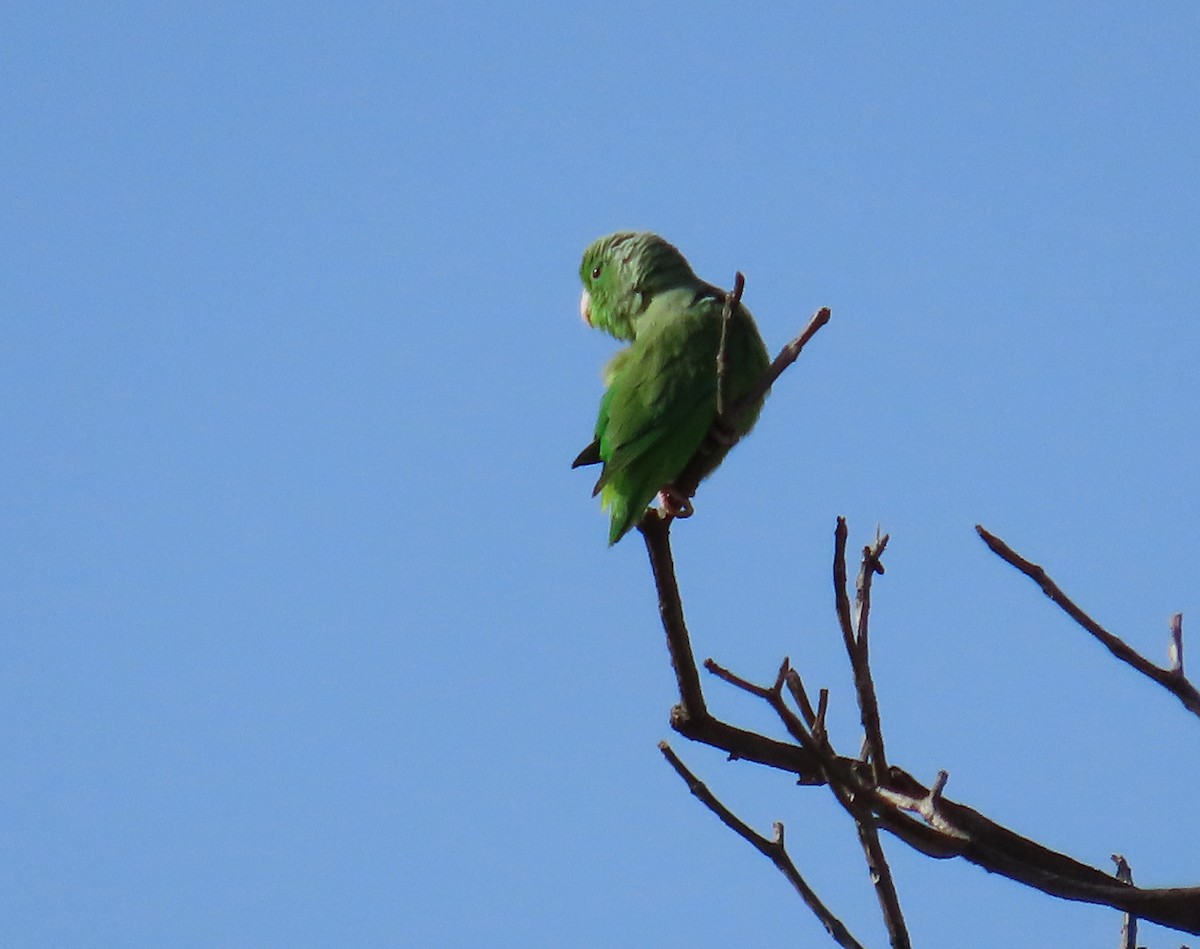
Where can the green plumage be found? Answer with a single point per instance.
(661, 391)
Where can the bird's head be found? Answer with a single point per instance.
(621, 273)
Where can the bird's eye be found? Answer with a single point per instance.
(596, 272)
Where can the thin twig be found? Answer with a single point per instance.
(819, 730)
(735, 680)
(840, 594)
(774, 697)
(774, 850)
(881, 877)
(1172, 678)
(786, 357)
(871, 565)
(796, 686)
(723, 433)
(856, 640)
(929, 806)
(733, 300)
(847, 788)
(864, 683)
(1129, 923)
(1175, 651)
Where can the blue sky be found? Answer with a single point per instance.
(312, 637)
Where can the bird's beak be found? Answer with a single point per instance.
(585, 307)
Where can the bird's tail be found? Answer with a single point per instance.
(624, 514)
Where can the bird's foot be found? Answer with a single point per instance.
(674, 502)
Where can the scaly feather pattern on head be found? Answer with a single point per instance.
(621, 274)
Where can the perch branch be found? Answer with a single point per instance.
(1171, 678)
(723, 433)
(657, 532)
(690, 717)
(788, 355)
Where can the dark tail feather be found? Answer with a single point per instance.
(589, 456)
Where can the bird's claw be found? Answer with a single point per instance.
(674, 502)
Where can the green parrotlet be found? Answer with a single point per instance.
(660, 398)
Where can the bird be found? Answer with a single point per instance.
(661, 390)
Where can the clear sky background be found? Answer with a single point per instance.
(310, 635)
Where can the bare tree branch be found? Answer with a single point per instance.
(920, 816)
(800, 697)
(691, 717)
(864, 685)
(656, 531)
(868, 705)
(881, 875)
(773, 850)
(1171, 678)
(855, 638)
(840, 593)
(846, 789)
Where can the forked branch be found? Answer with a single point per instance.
(888, 798)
